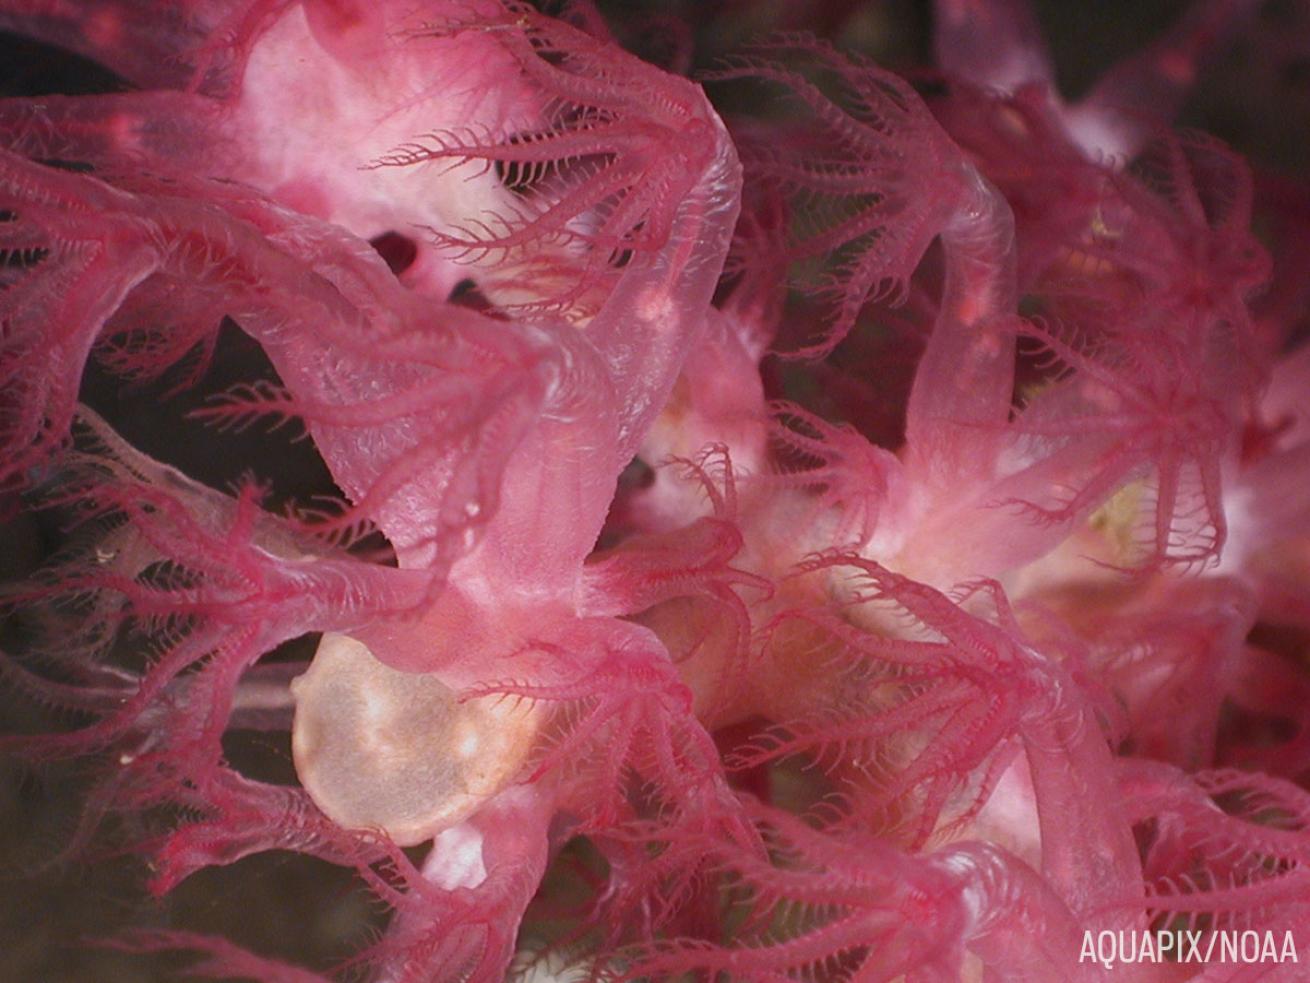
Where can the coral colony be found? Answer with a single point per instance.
(859, 536)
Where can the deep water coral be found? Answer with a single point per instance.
(793, 520)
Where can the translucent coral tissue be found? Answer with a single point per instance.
(637, 492)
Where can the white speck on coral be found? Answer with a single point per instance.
(656, 305)
(377, 710)
(456, 858)
(1239, 516)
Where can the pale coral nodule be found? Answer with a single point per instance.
(396, 751)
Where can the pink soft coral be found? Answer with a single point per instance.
(627, 654)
